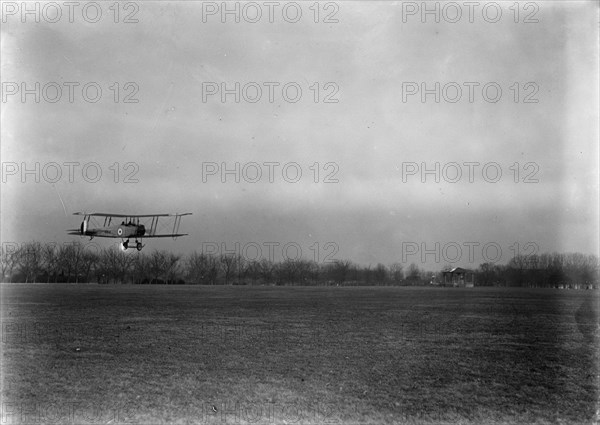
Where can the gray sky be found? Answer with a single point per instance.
(369, 56)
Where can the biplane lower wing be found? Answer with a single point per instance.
(96, 234)
(166, 235)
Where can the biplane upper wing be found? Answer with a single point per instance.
(130, 215)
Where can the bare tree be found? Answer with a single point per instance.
(413, 273)
(140, 268)
(50, 259)
(252, 270)
(9, 258)
(381, 273)
(163, 265)
(341, 270)
(228, 264)
(397, 273)
(69, 257)
(194, 267)
(30, 260)
(240, 267)
(293, 271)
(487, 274)
(89, 260)
(113, 265)
(309, 272)
(266, 270)
(173, 267)
(202, 268)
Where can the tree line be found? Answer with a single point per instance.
(75, 263)
(548, 270)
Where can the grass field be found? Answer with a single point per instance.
(189, 354)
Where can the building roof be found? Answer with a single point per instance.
(457, 270)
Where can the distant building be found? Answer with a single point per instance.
(459, 277)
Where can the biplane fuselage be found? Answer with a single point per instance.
(120, 231)
(128, 226)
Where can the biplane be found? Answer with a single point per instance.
(128, 226)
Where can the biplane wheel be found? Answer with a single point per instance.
(139, 246)
(126, 244)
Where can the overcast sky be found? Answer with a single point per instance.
(374, 55)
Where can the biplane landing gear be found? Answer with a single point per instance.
(125, 245)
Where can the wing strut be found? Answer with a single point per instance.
(176, 224)
(153, 225)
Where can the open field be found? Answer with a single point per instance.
(197, 354)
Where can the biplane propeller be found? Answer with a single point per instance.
(130, 226)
